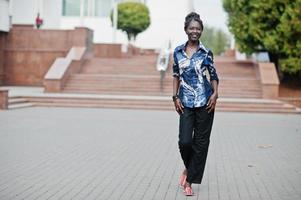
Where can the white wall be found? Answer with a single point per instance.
(103, 31)
(52, 11)
(24, 11)
(167, 23)
(4, 15)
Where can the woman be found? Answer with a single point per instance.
(194, 99)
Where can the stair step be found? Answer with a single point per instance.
(20, 105)
(16, 100)
(157, 93)
(269, 107)
(255, 110)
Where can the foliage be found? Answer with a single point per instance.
(133, 18)
(268, 25)
(215, 39)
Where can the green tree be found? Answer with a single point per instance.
(215, 39)
(133, 18)
(290, 30)
(268, 25)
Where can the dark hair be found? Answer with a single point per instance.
(193, 17)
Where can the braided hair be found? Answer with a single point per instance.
(193, 16)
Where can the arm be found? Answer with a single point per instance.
(176, 84)
(177, 103)
(214, 83)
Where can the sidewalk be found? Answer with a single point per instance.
(107, 154)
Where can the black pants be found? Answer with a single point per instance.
(194, 138)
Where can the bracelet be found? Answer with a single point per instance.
(175, 97)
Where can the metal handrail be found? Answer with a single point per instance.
(162, 64)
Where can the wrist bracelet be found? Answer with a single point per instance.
(175, 97)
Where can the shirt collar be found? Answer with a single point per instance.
(201, 47)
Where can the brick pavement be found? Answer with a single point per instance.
(85, 154)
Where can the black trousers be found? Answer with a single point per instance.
(194, 138)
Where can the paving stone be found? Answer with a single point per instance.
(82, 153)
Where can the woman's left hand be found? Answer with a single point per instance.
(212, 102)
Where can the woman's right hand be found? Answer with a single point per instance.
(178, 106)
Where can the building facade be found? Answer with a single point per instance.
(167, 18)
(4, 15)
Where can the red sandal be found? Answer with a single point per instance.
(188, 190)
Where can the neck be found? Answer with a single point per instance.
(193, 43)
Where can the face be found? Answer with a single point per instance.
(194, 31)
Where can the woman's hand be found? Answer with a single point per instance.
(178, 106)
(212, 102)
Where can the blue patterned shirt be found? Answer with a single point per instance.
(195, 88)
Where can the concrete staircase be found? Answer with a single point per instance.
(120, 76)
(18, 102)
(134, 83)
(238, 79)
(160, 103)
(137, 76)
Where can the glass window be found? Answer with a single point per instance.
(98, 8)
(103, 8)
(86, 7)
(71, 7)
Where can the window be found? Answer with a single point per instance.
(71, 7)
(103, 8)
(97, 8)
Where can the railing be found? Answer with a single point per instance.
(162, 64)
(62, 68)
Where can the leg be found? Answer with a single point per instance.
(201, 140)
(185, 135)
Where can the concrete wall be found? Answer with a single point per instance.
(167, 23)
(4, 15)
(107, 50)
(103, 31)
(52, 11)
(2, 47)
(25, 12)
(30, 52)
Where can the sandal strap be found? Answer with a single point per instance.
(188, 191)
